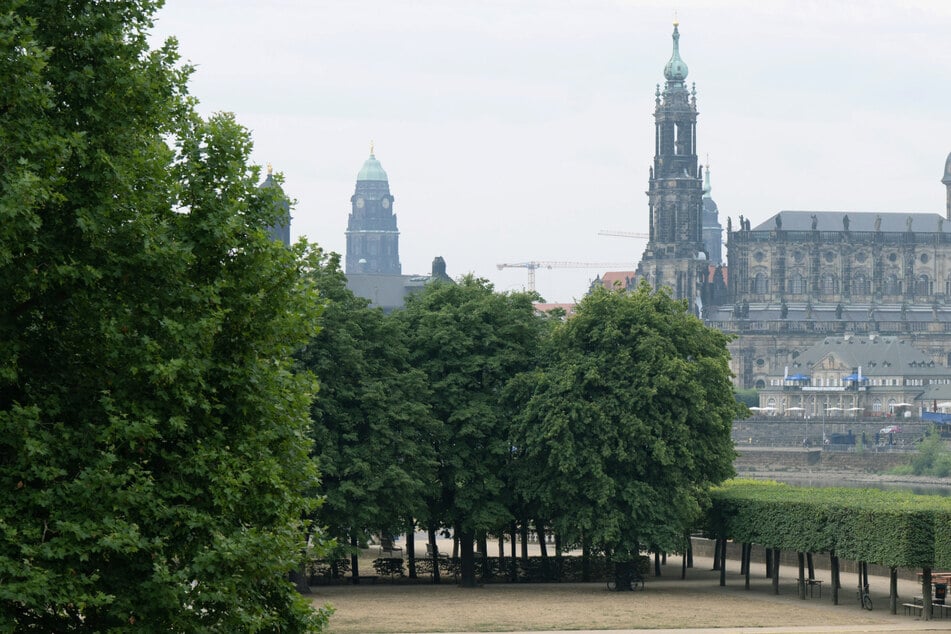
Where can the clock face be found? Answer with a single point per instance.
(386, 203)
(360, 202)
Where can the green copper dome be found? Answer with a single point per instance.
(676, 69)
(372, 170)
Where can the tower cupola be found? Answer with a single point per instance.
(676, 69)
(371, 170)
(372, 236)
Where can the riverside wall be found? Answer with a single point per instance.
(780, 444)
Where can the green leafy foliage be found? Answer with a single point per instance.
(884, 527)
(933, 457)
(626, 423)
(152, 431)
(371, 424)
(469, 341)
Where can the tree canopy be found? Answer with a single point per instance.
(469, 341)
(371, 422)
(625, 425)
(153, 446)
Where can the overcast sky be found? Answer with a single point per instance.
(515, 131)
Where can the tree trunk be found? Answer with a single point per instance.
(893, 590)
(411, 548)
(656, 564)
(834, 564)
(812, 568)
(524, 536)
(483, 555)
(543, 548)
(749, 553)
(689, 553)
(926, 593)
(776, 554)
(716, 554)
(585, 559)
(802, 574)
(769, 563)
(435, 552)
(514, 563)
(723, 562)
(355, 560)
(467, 577)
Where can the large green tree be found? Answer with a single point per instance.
(627, 423)
(470, 341)
(371, 422)
(153, 440)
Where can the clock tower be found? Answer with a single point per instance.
(674, 257)
(372, 236)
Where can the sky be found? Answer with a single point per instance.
(515, 131)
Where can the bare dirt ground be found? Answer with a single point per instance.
(667, 602)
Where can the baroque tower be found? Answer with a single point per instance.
(674, 256)
(712, 230)
(372, 236)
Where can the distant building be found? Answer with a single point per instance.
(801, 276)
(616, 280)
(712, 230)
(854, 376)
(796, 278)
(280, 231)
(675, 255)
(373, 267)
(373, 241)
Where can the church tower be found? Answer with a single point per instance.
(712, 230)
(947, 183)
(372, 236)
(674, 256)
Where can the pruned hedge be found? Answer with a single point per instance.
(890, 528)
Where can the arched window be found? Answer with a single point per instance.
(893, 285)
(797, 284)
(760, 384)
(877, 406)
(760, 284)
(828, 284)
(923, 285)
(861, 284)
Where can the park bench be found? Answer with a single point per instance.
(814, 583)
(387, 549)
(912, 607)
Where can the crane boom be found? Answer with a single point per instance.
(623, 234)
(532, 265)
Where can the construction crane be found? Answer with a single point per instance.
(535, 264)
(623, 234)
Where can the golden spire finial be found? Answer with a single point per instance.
(270, 168)
(371, 147)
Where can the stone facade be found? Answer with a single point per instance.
(801, 276)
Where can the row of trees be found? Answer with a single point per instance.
(467, 411)
(157, 431)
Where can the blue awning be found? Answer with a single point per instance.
(855, 377)
(797, 377)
